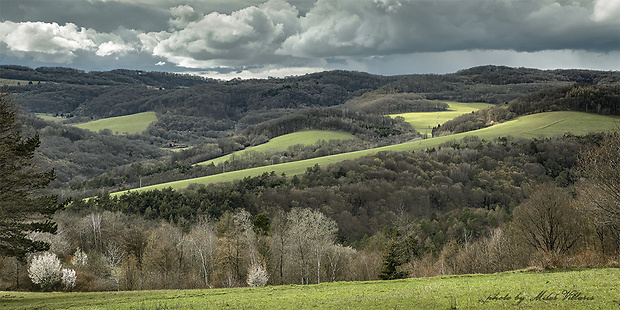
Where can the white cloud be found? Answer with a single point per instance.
(260, 73)
(184, 14)
(46, 40)
(247, 35)
(109, 48)
(605, 10)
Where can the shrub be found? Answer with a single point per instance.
(257, 276)
(45, 271)
(80, 259)
(68, 279)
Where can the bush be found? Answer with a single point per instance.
(68, 279)
(257, 276)
(45, 271)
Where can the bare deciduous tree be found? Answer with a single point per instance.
(600, 191)
(549, 220)
(311, 232)
(202, 239)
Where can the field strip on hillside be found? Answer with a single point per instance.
(423, 122)
(282, 143)
(530, 126)
(127, 124)
(584, 288)
(50, 117)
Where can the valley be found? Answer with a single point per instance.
(532, 126)
(336, 179)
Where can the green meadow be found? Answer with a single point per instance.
(49, 117)
(128, 124)
(283, 142)
(596, 288)
(530, 126)
(424, 122)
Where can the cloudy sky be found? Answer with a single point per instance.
(258, 38)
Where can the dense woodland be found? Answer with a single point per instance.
(220, 117)
(466, 206)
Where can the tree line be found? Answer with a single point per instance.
(490, 206)
(553, 225)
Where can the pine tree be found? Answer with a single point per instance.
(391, 261)
(22, 211)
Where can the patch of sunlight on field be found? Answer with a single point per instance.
(423, 122)
(128, 124)
(282, 143)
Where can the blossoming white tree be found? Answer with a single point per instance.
(80, 259)
(45, 271)
(257, 276)
(68, 279)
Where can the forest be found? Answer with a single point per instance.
(466, 206)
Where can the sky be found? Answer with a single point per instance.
(225, 39)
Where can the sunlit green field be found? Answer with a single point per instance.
(128, 124)
(565, 289)
(282, 143)
(537, 125)
(424, 122)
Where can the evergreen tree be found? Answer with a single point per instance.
(22, 211)
(391, 261)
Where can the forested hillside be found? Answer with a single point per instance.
(220, 117)
(601, 99)
(465, 206)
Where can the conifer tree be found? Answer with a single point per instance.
(22, 210)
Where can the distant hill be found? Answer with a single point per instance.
(210, 108)
(221, 117)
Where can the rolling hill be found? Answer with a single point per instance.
(128, 124)
(282, 143)
(424, 122)
(530, 126)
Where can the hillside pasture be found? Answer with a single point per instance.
(566, 289)
(127, 124)
(423, 122)
(49, 117)
(536, 125)
(282, 143)
(16, 82)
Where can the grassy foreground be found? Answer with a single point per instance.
(597, 288)
(530, 126)
(128, 124)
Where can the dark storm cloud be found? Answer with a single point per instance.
(374, 27)
(101, 16)
(227, 36)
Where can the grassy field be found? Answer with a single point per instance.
(424, 122)
(537, 125)
(282, 143)
(597, 288)
(12, 82)
(49, 117)
(128, 124)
